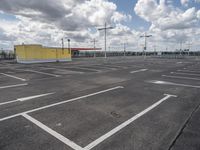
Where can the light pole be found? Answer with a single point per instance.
(189, 46)
(69, 49)
(124, 44)
(181, 46)
(105, 29)
(154, 50)
(145, 42)
(109, 50)
(62, 45)
(94, 42)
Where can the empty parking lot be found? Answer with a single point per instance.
(124, 103)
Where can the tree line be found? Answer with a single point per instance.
(7, 55)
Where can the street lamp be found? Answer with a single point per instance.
(94, 42)
(145, 41)
(69, 49)
(189, 46)
(124, 44)
(62, 45)
(105, 29)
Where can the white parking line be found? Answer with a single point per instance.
(189, 71)
(89, 69)
(63, 102)
(126, 123)
(4, 103)
(11, 86)
(11, 76)
(120, 67)
(25, 99)
(140, 70)
(182, 73)
(46, 68)
(39, 72)
(180, 77)
(44, 73)
(171, 83)
(53, 133)
(63, 69)
(103, 67)
(33, 97)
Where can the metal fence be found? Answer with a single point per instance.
(130, 53)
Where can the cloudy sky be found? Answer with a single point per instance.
(46, 22)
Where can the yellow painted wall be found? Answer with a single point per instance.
(38, 53)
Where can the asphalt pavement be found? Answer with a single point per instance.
(119, 103)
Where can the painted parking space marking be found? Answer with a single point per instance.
(181, 77)
(89, 69)
(26, 98)
(53, 133)
(189, 71)
(46, 68)
(15, 77)
(44, 73)
(62, 69)
(62, 102)
(12, 86)
(126, 123)
(33, 97)
(182, 73)
(39, 72)
(140, 70)
(4, 103)
(172, 83)
(115, 66)
(96, 66)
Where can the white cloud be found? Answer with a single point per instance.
(164, 17)
(175, 20)
(198, 14)
(185, 2)
(47, 21)
(119, 17)
(169, 23)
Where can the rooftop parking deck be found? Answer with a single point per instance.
(121, 103)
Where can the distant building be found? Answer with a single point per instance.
(38, 54)
(77, 51)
